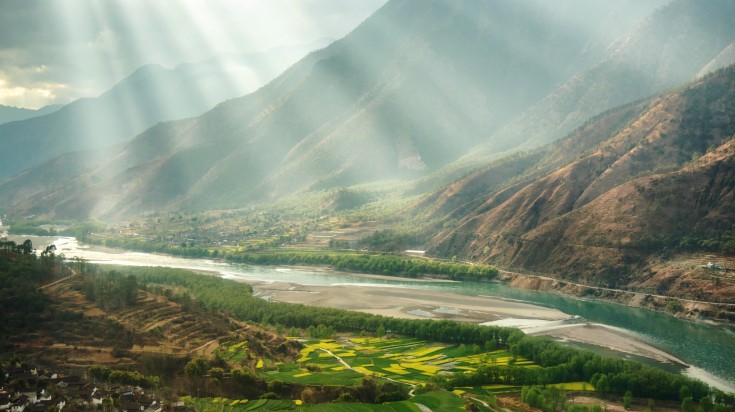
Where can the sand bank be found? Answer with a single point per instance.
(427, 304)
(405, 302)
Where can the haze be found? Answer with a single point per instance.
(53, 52)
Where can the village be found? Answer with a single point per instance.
(32, 389)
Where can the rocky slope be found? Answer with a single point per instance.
(677, 43)
(662, 184)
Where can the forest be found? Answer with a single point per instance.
(21, 274)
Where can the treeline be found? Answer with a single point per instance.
(124, 377)
(566, 364)
(384, 264)
(219, 294)
(110, 290)
(724, 243)
(390, 241)
(21, 274)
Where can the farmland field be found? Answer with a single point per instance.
(439, 401)
(408, 361)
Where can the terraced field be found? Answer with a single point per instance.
(156, 323)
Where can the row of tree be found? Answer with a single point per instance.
(384, 264)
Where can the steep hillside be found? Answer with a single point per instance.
(79, 331)
(412, 88)
(677, 43)
(150, 95)
(666, 177)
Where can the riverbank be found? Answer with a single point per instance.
(722, 314)
(423, 304)
(698, 311)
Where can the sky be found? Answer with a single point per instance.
(55, 51)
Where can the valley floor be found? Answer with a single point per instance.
(422, 304)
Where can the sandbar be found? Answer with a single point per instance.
(410, 303)
(402, 302)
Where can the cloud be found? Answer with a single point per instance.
(34, 97)
(52, 51)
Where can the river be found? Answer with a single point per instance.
(708, 349)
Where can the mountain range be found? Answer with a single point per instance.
(150, 95)
(611, 201)
(13, 114)
(410, 90)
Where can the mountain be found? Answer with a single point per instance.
(12, 114)
(612, 202)
(414, 87)
(676, 44)
(148, 96)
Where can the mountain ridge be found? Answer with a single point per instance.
(594, 218)
(149, 95)
(407, 91)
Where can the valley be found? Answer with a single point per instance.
(645, 333)
(264, 361)
(392, 205)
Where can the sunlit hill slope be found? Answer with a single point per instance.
(414, 87)
(660, 182)
(150, 95)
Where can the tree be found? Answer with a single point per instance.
(244, 376)
(627, 399)
(196, 367)
(367, 391)
(217, 374)
(381, 331)
(687, 405)
(601, 385)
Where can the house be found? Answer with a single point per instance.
(19, 404)
(714, 266)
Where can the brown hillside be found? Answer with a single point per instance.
(77, 333)
(593, 218)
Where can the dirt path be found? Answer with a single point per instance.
(48, 285)
(205, 346)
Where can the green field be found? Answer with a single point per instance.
(347, 360)
(408, 361)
